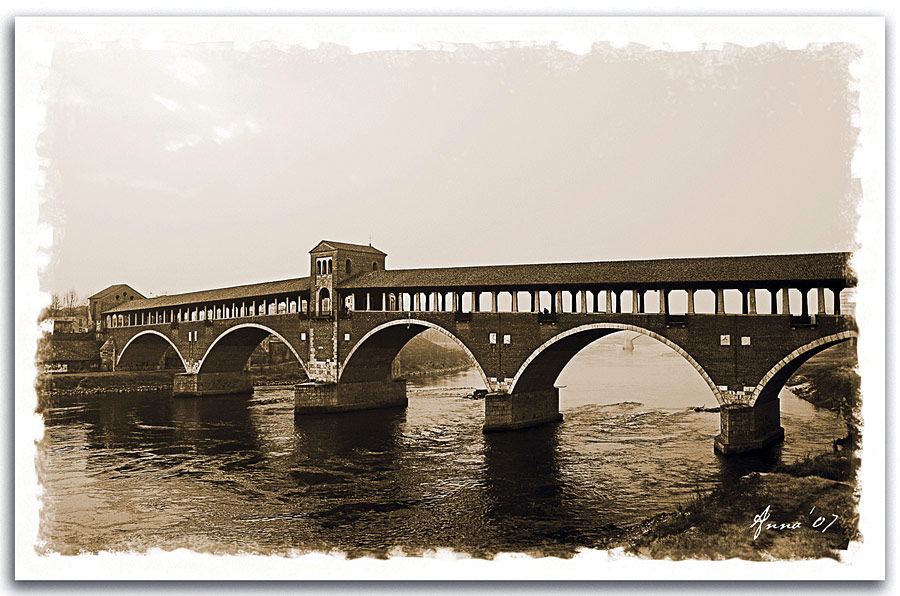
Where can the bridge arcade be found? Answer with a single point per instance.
(772, 300)
(743, 323)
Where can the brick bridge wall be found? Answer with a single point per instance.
(730, 363)
(289, 326)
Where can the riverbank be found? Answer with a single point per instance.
(441, 371)
(829, 380)
(806, 510)
(89, 383)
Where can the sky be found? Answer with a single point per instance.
(199, 165)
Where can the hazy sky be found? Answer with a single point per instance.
(203, 165)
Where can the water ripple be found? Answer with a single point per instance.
(139, 471)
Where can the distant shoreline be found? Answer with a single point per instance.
(436, 371)
(93, 383)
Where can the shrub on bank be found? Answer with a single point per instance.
(833, 466)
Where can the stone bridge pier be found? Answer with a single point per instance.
(512, 411)
(317, 397)
(745, 428)
(212, 383)
(364, 381)
(751, 419)
(749, 411)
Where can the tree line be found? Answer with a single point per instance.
(65, 304)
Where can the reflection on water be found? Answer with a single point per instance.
(239, 473)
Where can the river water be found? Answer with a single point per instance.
(239, 474)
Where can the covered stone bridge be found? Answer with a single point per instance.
(745, 324)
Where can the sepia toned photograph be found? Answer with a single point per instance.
(530, 298)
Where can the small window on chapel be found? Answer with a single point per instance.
(348, 266)
(374, 266)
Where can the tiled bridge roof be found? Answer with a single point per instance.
(268, 288)
(822, 269)
(817, 269)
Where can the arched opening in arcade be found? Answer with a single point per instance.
(273, 362)
(628, 367)
(427, 356)
(637, 386)
(630, 436)
(265, 355)
(148, 351)
(818, 389)
(637, 407)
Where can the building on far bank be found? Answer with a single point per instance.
(68, 352)
(114, 295)
(68, 320)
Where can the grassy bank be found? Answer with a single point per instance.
(805, 510)
(88, 383)
(796, 503)
(829, 380)
(104, 382)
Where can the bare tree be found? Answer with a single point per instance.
(70, 301)
(55, 305)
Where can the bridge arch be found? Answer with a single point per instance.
(545, 364)
(376, 350)
(774, 380)
(231, 350)
(147, 346)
